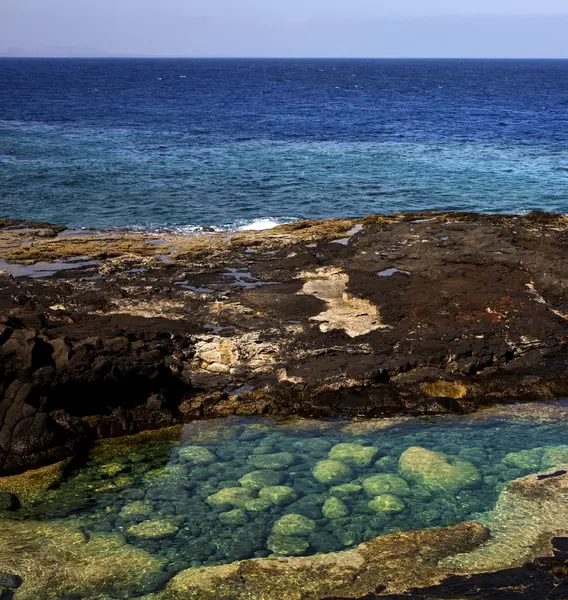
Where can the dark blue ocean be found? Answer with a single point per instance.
(229, 142)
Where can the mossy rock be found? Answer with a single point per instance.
(438, 472)
(386, 463)
(236, 496)
(107, 450)
(294, 525)
(330, 472)
(554, 456)
(334, 508)
(347, 490)
(278, 460)
(279, 494)
(353, 454)
(136, 511)
(261, 479)
(285, 545)
(313, 445)
(30, 487)
(57, 561)
(156, 529)
(196, 455)
(387, 503)
(234, 517)
(112, 469)
(526, 460)
(167, 474)
(258, 505)
(385, 483)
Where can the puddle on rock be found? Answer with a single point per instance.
(234, 489)
(242, 278)
(391, 272)
(47, 269)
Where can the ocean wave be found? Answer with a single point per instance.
(256, 224)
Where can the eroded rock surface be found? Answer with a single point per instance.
(412, 313)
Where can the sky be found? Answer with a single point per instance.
(285, 28)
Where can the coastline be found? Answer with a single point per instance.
(417, 313)
(108, 334)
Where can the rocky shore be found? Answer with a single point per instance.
(104, 334)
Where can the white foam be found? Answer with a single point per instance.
(259, 225)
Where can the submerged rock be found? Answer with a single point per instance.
(278, 495)
(554, 456)
(524, 459)
(258, 505)
(387, 503)
(256, 480)
(136, 511)
(293, 525)
(332, 471)
(438, 472)
(377, 485)
(231, 496)
(334, 508)
(347, 490)
(234, 517)
(278, 460)
(196, 455)
(287, 545)
(412, 560)
(353, 454)
(313, 445)
(55, 560)
(156, 529)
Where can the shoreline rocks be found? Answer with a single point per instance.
(417, 313)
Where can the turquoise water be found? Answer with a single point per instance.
(172, 500)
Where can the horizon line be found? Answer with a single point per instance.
(179, 57)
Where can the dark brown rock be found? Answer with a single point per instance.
(417, 313)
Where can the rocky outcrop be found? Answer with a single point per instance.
(109, 334)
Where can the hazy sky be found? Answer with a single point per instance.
(294, 28)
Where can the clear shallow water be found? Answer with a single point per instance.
(167, 499)
(230, 142)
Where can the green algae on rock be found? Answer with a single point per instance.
(196, 455)
(386, 503)
(332, 471)
(278, 460)
(136, 511)
(234, 517)
(232, 496)
(31, 486)
(278, 494)
(395, 563)
(56, 560)
(287, 545)
(524, 459)
(385, 483)
(347, 490)
(258, 505)
(334, 508)
(437, 472)
(256, 480)
(294, 525)
(353, 454)
(155, 529)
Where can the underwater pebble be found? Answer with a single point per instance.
(353, 454)
(386, 503)
(278, 494)
(332, 471)
(294, 525)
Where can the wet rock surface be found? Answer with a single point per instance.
(413, 313)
